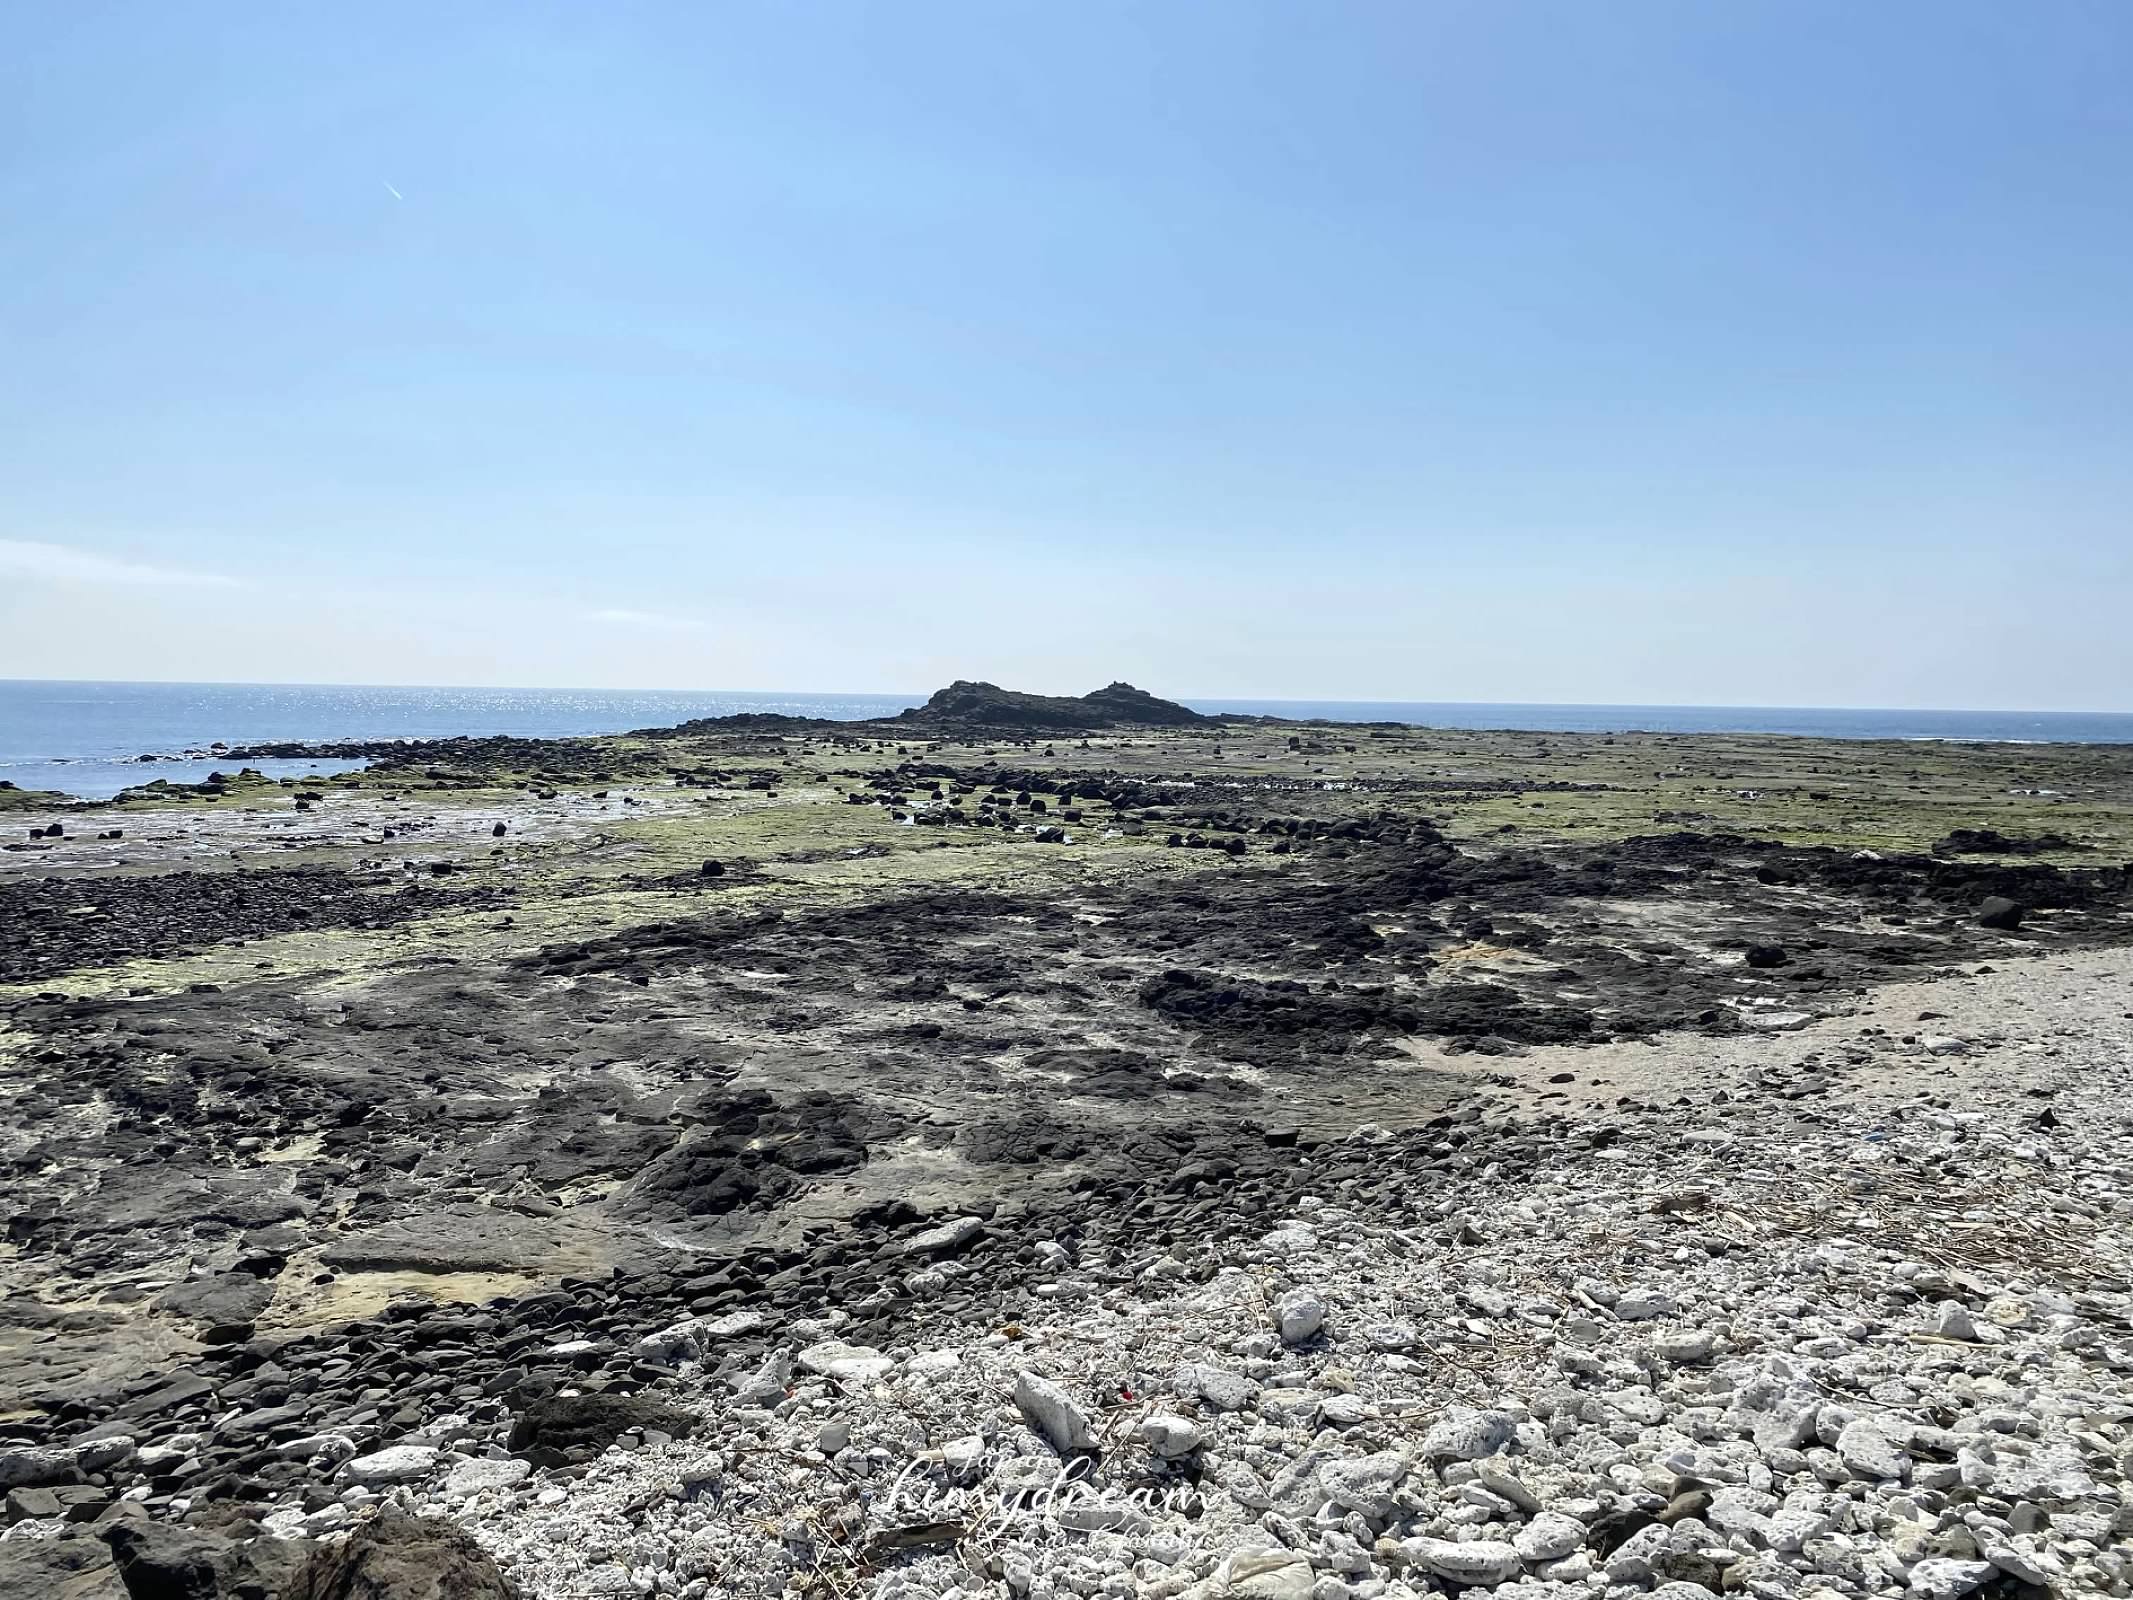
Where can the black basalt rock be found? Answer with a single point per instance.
(565, 1430)
(1997, 911)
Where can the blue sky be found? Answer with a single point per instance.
(1645, 352)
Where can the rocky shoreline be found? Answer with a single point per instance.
(1758, 1341)
(1850, 1319)
(767, 1170)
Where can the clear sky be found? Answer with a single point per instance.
(1506, 350)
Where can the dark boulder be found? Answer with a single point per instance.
(565, 1430)
(2000, 912)
(399, 1557)
(159, 1561)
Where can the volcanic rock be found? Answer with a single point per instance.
(1998, 911)
(564, 1429)
(989, 705)
(399, 1557)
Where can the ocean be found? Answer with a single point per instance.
(83, 738)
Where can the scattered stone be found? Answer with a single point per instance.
(1216, 1386)
(33, 1466)
(1868, 1451)
(470, 1478)
(1997, 911)
(1641, 1304)
(31, 1505)
(1170, 1437)
(849, 1363)
(1550, 1536)
(1266, 1575)
(1299, 1314)
(399, 1463)
(1943, 1578)
(1685, 1348)
(1365, 1484)
(1053, 1413)
(1468, 1437)
(1471, 1563)
(945, 1239)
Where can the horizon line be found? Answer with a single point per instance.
(1185, 700)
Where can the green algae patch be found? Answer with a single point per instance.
(14, 799)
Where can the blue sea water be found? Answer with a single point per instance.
(83, 738)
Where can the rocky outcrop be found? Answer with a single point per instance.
(391, 1557)
(1992, 842)
(968, 704)
(78, 1568)
(404, 1558)
(964, 703)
